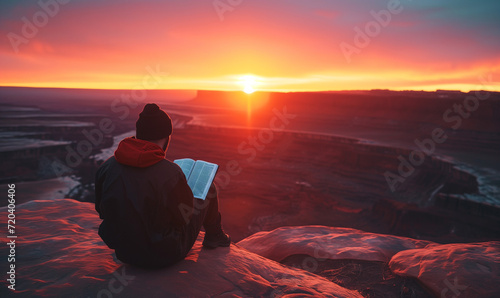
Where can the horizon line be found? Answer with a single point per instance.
(257, 91)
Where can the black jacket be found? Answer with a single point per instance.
(145, 203)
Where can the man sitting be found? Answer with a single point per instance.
(142, 199)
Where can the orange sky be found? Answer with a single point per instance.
(281, 45)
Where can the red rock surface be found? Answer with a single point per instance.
(448, 270)
(454, 270)
(59, 254)
(328, 243)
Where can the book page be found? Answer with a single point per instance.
(201, 178)
(186, 164)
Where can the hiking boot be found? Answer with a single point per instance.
(219, 239)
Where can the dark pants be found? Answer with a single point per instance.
(206, 213)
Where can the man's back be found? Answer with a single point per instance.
(145, 202)
(139, 201)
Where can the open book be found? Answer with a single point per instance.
(199, 175)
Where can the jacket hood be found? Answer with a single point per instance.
(138, 153)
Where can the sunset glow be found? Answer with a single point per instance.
(248, 89)
(299, 46)
(248, 84)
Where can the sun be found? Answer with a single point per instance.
(248, 89)
(248, 83)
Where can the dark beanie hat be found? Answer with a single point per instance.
(153, 123)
